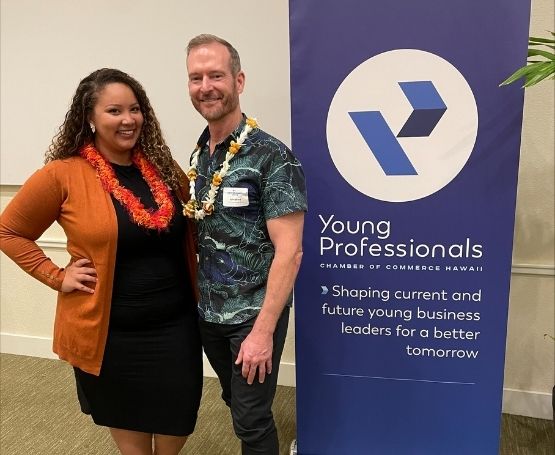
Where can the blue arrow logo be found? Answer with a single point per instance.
(428, 108)
(324, 290)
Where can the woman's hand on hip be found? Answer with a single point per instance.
(77, 275)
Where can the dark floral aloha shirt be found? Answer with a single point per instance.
(264, 181)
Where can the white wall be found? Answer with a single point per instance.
(260, 32)
(530, 357)
(48, 46)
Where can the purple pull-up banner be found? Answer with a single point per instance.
(410, 150)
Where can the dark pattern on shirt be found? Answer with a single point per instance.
(234, 245)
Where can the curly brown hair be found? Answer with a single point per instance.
(76, 132)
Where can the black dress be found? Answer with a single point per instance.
(151, 375)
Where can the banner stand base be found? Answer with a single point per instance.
(293, 450)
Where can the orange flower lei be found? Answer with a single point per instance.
(159, 219)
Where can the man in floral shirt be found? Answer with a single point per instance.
(248, 195)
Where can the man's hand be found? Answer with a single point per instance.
(257, 348)
(77, 274)
(256, 353)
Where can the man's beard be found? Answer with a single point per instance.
(227, 105)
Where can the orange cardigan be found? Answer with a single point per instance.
(68, 191)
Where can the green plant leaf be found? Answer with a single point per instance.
(536, 70)
(533, 39)
(546, 54)
(542, 72)
(543, 66)
(521, 72)
(542, 44)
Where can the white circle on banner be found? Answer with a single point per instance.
(374, 86)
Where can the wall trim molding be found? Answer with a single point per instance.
(51, 243)
(527, 403)
(517, 268)
(519, 402)
(31, 346)
(532, 269)
(34, 346)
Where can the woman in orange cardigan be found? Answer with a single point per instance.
(126, 315)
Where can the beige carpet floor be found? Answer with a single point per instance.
(39, 415)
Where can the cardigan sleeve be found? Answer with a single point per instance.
(31, 211)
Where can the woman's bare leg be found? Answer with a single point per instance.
(168, 445)
(132, 442)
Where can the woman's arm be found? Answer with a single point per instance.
(32, 210)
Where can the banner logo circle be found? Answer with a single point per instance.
(402, 125)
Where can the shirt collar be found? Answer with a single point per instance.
(205, 136)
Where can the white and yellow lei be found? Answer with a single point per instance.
(192, 208)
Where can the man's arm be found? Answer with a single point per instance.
(256, 350)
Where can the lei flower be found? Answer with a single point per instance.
(159, 219)
(192, 208)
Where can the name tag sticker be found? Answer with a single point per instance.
(236, 197)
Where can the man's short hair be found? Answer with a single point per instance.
(206, 38)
